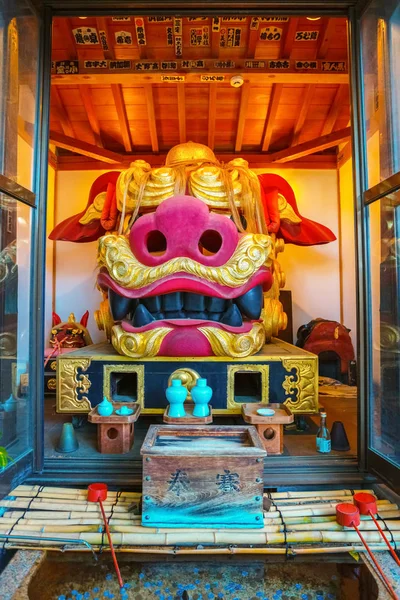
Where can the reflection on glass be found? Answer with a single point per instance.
(384, 235)
(14, 329)
(380, 31)
(18, 90)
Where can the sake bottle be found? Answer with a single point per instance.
(323, 436)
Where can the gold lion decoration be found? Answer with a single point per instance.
(263, 209)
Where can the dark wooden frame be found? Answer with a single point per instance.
(279, 470)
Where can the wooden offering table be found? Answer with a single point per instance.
(270, 429)
(115, 432)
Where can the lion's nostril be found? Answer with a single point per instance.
(210, 242)
(156, 242)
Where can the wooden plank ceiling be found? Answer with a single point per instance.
(108, 105)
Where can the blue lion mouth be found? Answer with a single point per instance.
(187, 305)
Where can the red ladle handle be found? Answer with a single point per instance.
(118, 572)
(377, 565)
(392, 552)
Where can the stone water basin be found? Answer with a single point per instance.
(75, 576)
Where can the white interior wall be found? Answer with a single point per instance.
(312, 273)
(75, 264)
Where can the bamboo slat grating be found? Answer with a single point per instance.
(294, 523)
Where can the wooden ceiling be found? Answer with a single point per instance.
(110, 99)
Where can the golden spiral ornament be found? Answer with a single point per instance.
(274, 318)
(235, 345)
(144, 344)
(103, 317)
(115, 254)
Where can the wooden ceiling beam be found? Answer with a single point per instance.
(90, 150)
(57, 103)
(255, 160)
(325, 37)
(256, 78)
(151, 115)
(288, 38)
(86, 96)
(312, 146)
(334, 109)
(116, 89)
(215, 39)
(102, 26)
(244, 101)
(181, 112)
(324, 40)
(254, 37)
(307, 97)
(212, 112)
(274, 100)
(65, 29)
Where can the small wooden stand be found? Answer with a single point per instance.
(189, 419)
(115, 432)
(270, 429)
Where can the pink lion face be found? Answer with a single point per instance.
(185, 269)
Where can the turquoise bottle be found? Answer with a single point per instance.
(201, 394)
(176, 395)
(105, 408)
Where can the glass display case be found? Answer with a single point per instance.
(26, 220)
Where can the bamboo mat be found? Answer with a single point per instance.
(294, 523)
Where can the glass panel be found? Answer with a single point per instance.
(384, 393)
(380, 33)
(15, 288)
(19, 39)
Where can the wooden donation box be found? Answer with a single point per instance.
(197, 476)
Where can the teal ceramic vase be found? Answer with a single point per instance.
(201, 394)
(10, 404)
(105, 408)
(176, 396)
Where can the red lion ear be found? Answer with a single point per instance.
(56, 319)
(84, 319)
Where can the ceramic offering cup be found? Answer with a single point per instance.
(105, 408)
(124, 411)
(266, 412)
(176, 395)
(201, 394)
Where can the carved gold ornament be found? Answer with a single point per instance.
(235, 345)
(233, 405)
(94, 210)
(389, 338)
(188, 377)
(8, 344)
(103, 317)
(286, 211)
(274, 318)
(71, 387)
(143, 344)
(301, 387)
(116, 256)
(189, 152)
(124, 368)
(51, 383)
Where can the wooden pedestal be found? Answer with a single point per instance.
(189, 419)
(115, 433)
(270, 429)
